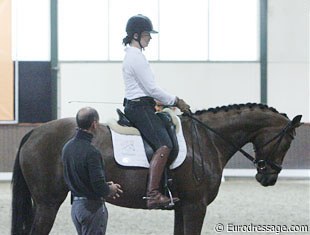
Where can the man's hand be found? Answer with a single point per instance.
(115, 190)
(182, 105)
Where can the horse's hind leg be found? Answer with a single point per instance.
(45, 215)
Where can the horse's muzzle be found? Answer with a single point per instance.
(266, 179)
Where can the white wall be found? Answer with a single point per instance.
(92, 82)
(202, 85)
(205, 85)
(288, 56)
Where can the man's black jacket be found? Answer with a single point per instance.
(84, 168)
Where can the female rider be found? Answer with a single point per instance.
(141, 92)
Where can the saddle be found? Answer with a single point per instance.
(170, 127)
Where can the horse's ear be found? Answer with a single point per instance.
(296, 121)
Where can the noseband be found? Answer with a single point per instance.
(260, 164)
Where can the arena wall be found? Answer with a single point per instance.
(298, 156)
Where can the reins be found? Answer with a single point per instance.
(260, 163)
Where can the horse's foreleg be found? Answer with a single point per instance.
(45, 215)
(193, 216)
(178, 221)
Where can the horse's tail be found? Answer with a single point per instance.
(22, 206)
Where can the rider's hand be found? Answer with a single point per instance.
(115, 190)
(182, 105)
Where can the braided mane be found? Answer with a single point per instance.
(238, 107)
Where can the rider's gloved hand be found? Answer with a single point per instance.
(182, 105)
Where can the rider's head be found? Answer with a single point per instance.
(87, 118)
(139, 29)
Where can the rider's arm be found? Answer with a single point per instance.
(145, 77)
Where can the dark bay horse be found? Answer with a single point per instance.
(39, 188)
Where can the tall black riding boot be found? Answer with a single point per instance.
(155, 199)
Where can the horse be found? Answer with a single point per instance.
(212, 137)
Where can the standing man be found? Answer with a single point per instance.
(84, 174)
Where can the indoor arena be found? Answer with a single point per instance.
(144, 117)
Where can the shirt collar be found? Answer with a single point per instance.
(81, 134)
(133, 49)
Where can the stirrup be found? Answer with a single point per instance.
(169, 206)
(167, 188)
(172, 200)
(171, 203)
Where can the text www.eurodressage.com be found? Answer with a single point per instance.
(261, 228)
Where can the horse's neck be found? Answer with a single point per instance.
(235, 128)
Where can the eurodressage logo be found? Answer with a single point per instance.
(260, 228)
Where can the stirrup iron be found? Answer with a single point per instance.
(171, 204)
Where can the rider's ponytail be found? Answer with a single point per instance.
(127, 40)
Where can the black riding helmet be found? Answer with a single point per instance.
(138, 24)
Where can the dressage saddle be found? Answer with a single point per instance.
(170, 126)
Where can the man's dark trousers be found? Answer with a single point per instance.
(90, 217)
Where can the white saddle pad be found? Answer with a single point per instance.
(129, 149)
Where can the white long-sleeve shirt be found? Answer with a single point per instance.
(139, 78)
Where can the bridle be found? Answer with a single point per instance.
(260, 164)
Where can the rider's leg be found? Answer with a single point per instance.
(157, 166)
(154, 131)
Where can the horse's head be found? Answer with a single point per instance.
(271, 145)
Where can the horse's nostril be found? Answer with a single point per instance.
(258, 177)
